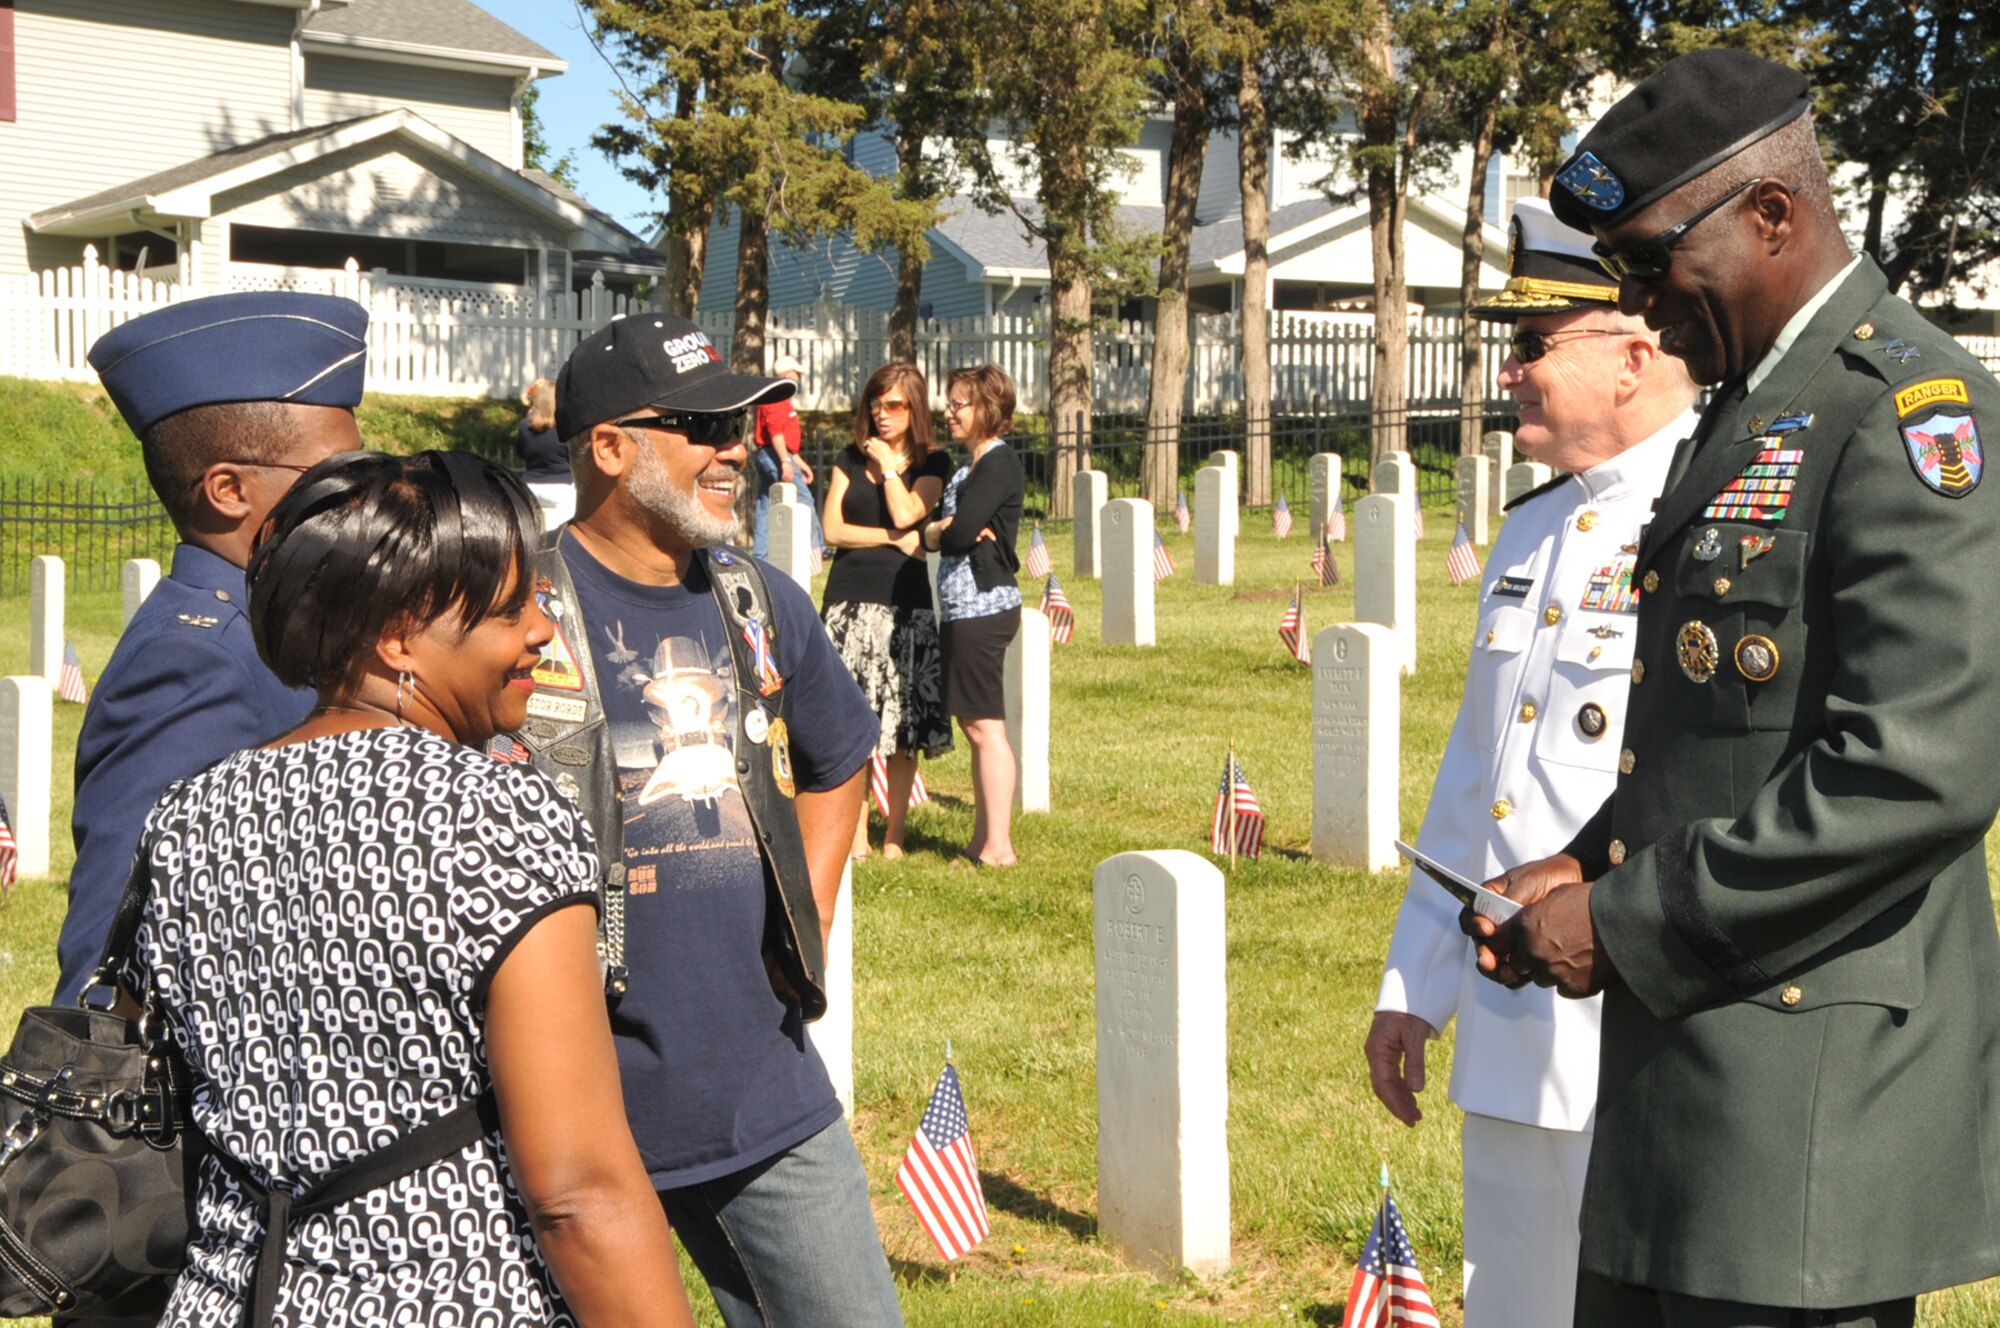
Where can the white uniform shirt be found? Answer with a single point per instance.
(1551, 661)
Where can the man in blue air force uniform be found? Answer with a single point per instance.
(232, 397)
(1785, 899)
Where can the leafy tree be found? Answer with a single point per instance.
(535, 144)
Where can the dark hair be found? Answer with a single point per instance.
(180, 447)
(911, 380)
(992, 394)
(366, 541)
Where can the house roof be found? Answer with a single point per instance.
(189, 190)
(427, 32)
(638, 248)
(993, 246)
(1223, 237)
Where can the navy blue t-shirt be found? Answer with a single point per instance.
(717, 1070)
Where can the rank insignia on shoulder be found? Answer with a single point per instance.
(198, 619)
(1945, 450)
(1901, 351)
(1930, 392)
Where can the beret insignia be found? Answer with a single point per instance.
(1593, 183)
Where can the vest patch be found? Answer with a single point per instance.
(563, 709)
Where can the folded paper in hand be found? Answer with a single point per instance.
(1494, 907)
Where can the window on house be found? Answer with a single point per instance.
(404, 258)
(1519, 185)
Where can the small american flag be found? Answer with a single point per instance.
(1056, 605)
(878, 785)
(1292, 631)
(816, 561)
(1182, 519)
(1281, 519)
(1037, 561)
(1323, 565)
(507, 749)
(1235, 802)
(1420, 521)
(1163, 563)
(1388, 1289)
(1336, 523)
(939, 1176)
(10, 855)
(69, 683)
(1461, 561)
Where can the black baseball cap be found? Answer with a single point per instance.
(660, 360)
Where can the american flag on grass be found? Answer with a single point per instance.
(1182, 518)
(1062, 622)
(1420, 521)
(69, 682)
(1323, 565)
(1236, 807)
(1037, 561)
(939, 1176)
(878, 785)
(1461, 560)
(1388, 1291)
(10, 856)
(1336, 523)
(1163, 563)
(816, 560)
(507, 749)
(1281, 519)
(1292, 631)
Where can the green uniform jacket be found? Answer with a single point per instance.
(1799, 1099)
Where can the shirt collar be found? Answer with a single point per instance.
(197, 567)
(1641, 467)
(1790, 332)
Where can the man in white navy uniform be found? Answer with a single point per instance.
(1534, 752)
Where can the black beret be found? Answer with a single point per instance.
(1695, 113)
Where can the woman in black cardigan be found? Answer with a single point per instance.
(978, 600)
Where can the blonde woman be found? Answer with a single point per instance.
(544, 459)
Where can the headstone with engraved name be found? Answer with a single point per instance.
(1025, 680)
(1526, 477)
(46, 602)
(1127, 616)
(1215, 525)
(137, 579)
(1356, 745)
(1323, 488)
(1475, 506)
(1498, 447)
(1396, 473)
(1162, 1061)
(1385, 570)
(1088, 492)
(27, 767)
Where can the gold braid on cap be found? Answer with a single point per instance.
(1542, 293)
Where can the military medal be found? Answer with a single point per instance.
(1752, 547)
(756, 724)
(781, 758)
(1757, 658)
(1709, 547)
(1699, 651)
(1604, 632)
(759, 640)
(1762, 492)
(1592, 720)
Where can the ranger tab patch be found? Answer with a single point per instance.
(1944, 448)
(1763, 492)
(1930, 392)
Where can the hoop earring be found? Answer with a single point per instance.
(402, 681)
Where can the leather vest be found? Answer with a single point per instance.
(568, 736)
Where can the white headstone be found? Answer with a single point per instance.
(27, 767)
(1498, 446)
(791, 540)
(1088, 491)
(1475, 504)
(1162, 1062)
(1357, 737)
(137, 579)
(931, 561)
(1228, 460)
(1215, 525)
(1323, 486)
(1026, 682)
(1233, 463)
(45, 617)
(832, 1033)
(1126, 618)
(1396, 473)
(1525, 477)
(782, 492)
(1385, 571)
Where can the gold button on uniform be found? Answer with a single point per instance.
(1586, 520)
(1638, 672)
(1502, 810)
(1651, 583)
(1791, 995)
(1864, 332)
(1552, 614)
(1721, 585)
(1528, 713)
(1617, 852)
(1489, 638)
(1626, 761)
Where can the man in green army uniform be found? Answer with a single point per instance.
(1785, 900)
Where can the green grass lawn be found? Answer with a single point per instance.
(1000, 965)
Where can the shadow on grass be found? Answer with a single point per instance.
(1324, 1313)
(1029, 1206)
(909, 1271)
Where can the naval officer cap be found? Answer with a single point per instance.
(1550, 269)
(245, 346)
(1695, 113)
(652, 360)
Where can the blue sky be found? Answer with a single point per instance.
(574, 104)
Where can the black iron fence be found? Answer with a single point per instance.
(92, 527)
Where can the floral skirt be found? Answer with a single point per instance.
(893, 653)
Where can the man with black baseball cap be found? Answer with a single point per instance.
(693, 707)
(1785, 900)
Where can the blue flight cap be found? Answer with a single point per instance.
(246, 346)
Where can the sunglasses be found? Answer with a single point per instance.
(1531, 346)
(1649, 260)
(881, 407)
(705, 428)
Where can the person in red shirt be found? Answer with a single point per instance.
(777, 457)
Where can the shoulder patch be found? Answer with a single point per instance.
(1945, 450)
(1930, 392)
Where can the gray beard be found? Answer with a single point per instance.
(682, 513)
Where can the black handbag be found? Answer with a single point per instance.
(94, 1198)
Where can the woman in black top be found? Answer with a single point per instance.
(544, 459)
(877, 604)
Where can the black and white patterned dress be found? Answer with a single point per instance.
(324, 920)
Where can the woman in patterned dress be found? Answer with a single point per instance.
(877, 603)
(979, 597)
(370, 923)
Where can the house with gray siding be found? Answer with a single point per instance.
(267, 137)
